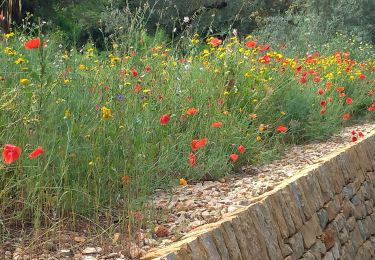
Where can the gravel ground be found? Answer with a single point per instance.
(188, 207)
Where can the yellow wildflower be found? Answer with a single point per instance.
(183, 182)
(106, 113)
(9, 35)
(20, 60)
(9, 51)
(24, 82)
(67, 113)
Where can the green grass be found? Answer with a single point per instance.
(88, 152)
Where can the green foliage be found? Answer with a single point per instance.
(318, 22)
(97, 114)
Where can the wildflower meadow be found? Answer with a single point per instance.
(91, 134)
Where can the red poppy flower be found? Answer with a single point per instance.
(345, 117)
(164, 119)
(317, 79)
(137, 88)
(264, 47)
(241, 149)
(215, 42)
(265, 59)
(322, 103)
(340, 89)
(192, 111)
(234, 157)
(217, 124)
(354, 138)
(281, 128)
(148, 68)
(134, 72)
(349, 101)
(125, 179)
(302, 79)
(251, 44)
(362, 76)
(320, 91)
(195, 144)
(329, 100)
(11, 153)
(38, 151)
(34, 44)
(323, 111)
(360, 134)
(192, 160)
(342, 94)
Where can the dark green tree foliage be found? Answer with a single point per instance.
(313, 20)
(318, 21)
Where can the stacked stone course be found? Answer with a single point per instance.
(325, 212)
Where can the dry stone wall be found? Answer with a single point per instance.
(324, 212)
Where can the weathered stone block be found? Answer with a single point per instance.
(311, 188)
(341, 159)
(308, 256)
(348, 252)
(323, 218)
(205, 241)
(347, 208)
(301, 201)
(328, 238)
(273, 203)
(263, 216)
(369, 207)
(195, 251)
(328, 256)
(340, 221)
(359, 207)
(336, 178)
(325, 185)
(254, 240)
(332, 210)
(337, 174)
(230, 240)
(370, 190)
(344, 235)
(350, 223)
(310, 231)
(296, 243)
(287, 214)
(220, 243)
(369, 225)
(336, 251)
(364, 232)
(366, 161)
(356, 238)
(365, 251)
(293, 209)
(348, 191)
(318, 249)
